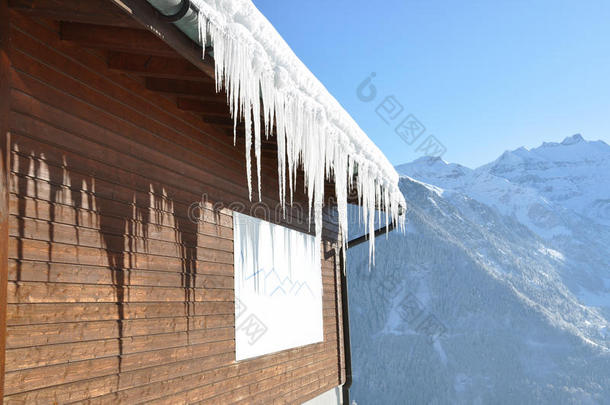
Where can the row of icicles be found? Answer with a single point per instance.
(304, 137)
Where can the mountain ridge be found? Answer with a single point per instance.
(516, 274)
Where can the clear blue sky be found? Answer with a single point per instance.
(482, 76)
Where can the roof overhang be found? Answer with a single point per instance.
(268, 88)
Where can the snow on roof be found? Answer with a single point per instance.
(261, 74)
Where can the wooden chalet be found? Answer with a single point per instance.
(111, 129)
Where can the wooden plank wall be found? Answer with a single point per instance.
(4, 173)
(114, 294)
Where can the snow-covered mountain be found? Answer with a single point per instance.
(499, 292)
(574, 174)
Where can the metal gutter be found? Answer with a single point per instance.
(365, 237)
(345, 306)
(182, 13)
(347, 347)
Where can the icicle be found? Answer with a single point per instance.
(253, 65)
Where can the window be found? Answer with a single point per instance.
(278, 288)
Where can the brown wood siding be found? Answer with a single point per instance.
(4, 176)
(114, 294)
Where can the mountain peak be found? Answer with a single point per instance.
(430, 160)
(571, 140)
